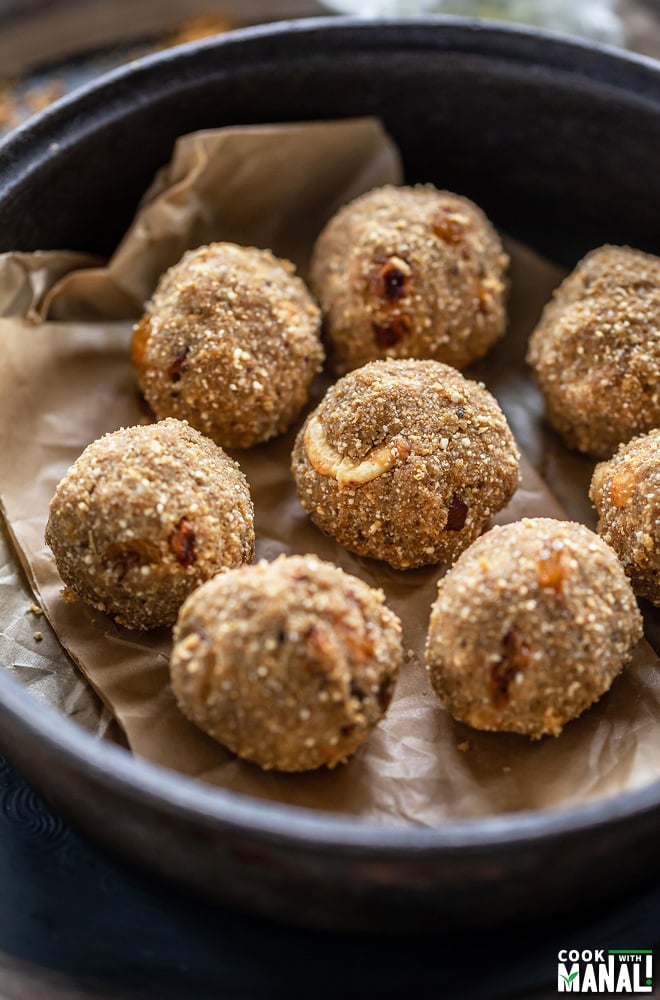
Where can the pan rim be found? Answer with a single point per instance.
(109, 764)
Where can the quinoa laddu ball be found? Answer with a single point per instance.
(289, 664)
(530, 627)
(410, 272)
(626, 493)
(144, 516)
(230, 342)
(405, 461)
(596, 350)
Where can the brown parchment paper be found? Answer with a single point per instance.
(31, 650)
(65, 382)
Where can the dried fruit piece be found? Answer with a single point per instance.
(486, 301)
(176, 367)
(393, 279)
(182, 542)
(449, 226)
(402, 447)
(329, 462)
(622, 487)
(457, 514)
(515, 657)
(141, 334)
(552, 572)
(391, 333)
(119, 559)
(318, 645)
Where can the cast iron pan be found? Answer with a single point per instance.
(560, 143)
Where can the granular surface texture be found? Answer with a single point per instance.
(144, 516)
(410, 272)
(230, 341)
(530, 627)
(626, 493)
(405, 461)
(289, 664)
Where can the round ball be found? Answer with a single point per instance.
(144, 516)
(530, 627)
(596, 353)
(289, 664)
(230, 342)
(405, 461)
(410, 272)
(626, 493)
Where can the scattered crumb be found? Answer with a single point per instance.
(18, 103)
(506, 769)
(464, 746)
(37, 636)
(35, 609)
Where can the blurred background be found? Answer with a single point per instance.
(49, 47)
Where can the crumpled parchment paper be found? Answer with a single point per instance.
(67, 379)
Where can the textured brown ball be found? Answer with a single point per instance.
(405, 461)
(230, 343)
(596, 350)
(530, 627)
(626, 493)
(144, 516)
(289, 664)
(410, 272)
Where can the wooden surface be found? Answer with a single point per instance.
(41, 31)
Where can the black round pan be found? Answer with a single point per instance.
(560, 143)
